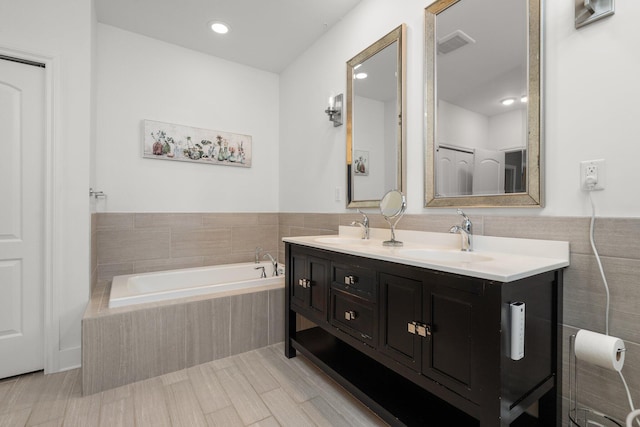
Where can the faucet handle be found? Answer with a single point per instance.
(467, 225)
(366, 218)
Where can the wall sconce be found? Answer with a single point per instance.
(588, 11)
(335, 110)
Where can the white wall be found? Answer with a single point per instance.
(461, 127)
(368, 132)
(141, 78)
(590, 95)
(62, 30)
(508, 130)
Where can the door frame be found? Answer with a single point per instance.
(51, 238)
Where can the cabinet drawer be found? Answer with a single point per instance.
(354, 316)
(356, 280)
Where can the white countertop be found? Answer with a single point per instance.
(493, 258)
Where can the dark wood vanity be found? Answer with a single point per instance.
(426, 348)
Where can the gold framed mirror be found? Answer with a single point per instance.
(376, 159)
(483, 106)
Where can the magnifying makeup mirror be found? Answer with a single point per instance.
(392, 207)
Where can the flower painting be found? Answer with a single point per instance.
(188, 144)
(361, 162)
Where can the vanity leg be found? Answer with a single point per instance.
(290, 332)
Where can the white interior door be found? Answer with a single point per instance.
(21, 217)
(488, 172)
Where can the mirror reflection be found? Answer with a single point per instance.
(483, 97)
(375, 82)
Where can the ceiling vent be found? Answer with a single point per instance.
(453, 41)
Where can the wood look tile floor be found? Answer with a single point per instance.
(259, 388)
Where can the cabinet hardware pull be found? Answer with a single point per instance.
(420, 329)
(305, 283)
(350, 315)
(350, 280)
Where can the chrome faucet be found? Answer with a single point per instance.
(257, 254)
(274, 263)
(364, 224)
(263, 274)
(466, 231)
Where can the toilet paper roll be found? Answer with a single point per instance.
(601, 350)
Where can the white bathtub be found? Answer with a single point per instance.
(166, 285)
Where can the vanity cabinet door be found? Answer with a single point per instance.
(310, 284)
(450, 355)
(400, 304)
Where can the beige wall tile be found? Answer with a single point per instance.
(617, 237)
(167, 264)
(229, 258)
(246, 239)
(573, 230)
(271, 218)
(165, 220)
(206, 242)
(231, 219)
(276, 315)
(585, 295)
(323, 221)
(108, 271)
(199, 332)
(291, 219)
(249, 321)
(114, 221)
(125, 246)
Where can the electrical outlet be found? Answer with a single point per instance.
(592, 175)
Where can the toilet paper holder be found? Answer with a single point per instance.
(582, 416)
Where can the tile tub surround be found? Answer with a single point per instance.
(127, 243)
(128, 344)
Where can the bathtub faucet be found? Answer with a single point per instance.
(257, 254)
(263, 274)
(274, 263)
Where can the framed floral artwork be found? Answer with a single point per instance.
(169, 141)
(361, 162)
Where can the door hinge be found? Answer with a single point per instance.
(417, 328)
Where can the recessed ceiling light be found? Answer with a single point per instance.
(361, 76)
(524, 98)
(508, 101)
(219, 27)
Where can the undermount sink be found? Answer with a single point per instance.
(444, 255)
(342, 241)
